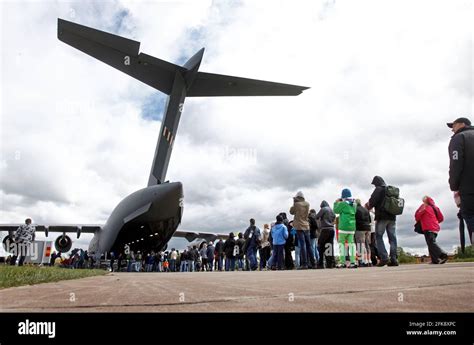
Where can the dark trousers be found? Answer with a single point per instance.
(435, 251)
(467, 212)
(278, 256)
(289, 264)
(20, 262)
(264, 256)
(374, 254)
(326, 247)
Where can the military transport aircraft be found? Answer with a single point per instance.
(149, 217)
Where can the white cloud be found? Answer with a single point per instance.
(384, 77)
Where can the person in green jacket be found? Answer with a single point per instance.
(346, 208)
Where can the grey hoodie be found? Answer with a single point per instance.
(326, 216)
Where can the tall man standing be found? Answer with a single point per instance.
(461, 168)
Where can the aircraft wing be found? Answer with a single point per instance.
(63, 228)
(192, 235)
(120, 53)
(209, 84)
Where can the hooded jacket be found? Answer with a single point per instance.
(363, 219)
(461, 161)
(300, 210)
(326, 216)
(347, 209)
(428, 218)
(377, 198)
(279, 234)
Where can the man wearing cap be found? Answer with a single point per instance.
(461, 168)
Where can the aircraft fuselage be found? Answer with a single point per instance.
(144, 220)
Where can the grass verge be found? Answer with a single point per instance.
(28, 275)
(462, 260)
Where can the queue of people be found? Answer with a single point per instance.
(310, 235)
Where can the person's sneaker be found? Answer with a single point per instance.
(393, 263)
(302, 268)
(382, 263)
(352, 266)
(443, 259)
(340, 266)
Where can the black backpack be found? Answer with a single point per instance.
(392, 203)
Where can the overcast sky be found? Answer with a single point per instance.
(78, 136)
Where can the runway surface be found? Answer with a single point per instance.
(407, 288)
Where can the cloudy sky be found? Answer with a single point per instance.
(77, 136)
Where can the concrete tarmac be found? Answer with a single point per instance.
(407, 288)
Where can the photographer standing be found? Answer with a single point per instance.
(25, 234)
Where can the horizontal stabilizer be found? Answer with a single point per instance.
(120, 53)
(209, 84)
(192, 235)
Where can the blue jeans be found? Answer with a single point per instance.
(183, 267)
(314, 246)
(297, 256)
(220, 262)
(229, 264)
(172, 265)
(277, 257)
(252, 257)
(129, 266)
(305, 248)
(240, 262)
(271, 260)
(380, 227)
(190, 266)
(210, 263)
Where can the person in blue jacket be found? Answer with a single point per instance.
(279, 235)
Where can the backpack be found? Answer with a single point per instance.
(392, 203)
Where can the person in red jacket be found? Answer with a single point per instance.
(429, 215)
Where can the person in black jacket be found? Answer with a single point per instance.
(229, 247)
(362, 234)
(240, 257)
(461, 168)
(383, 221)
(326, 219)
(220, 254)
